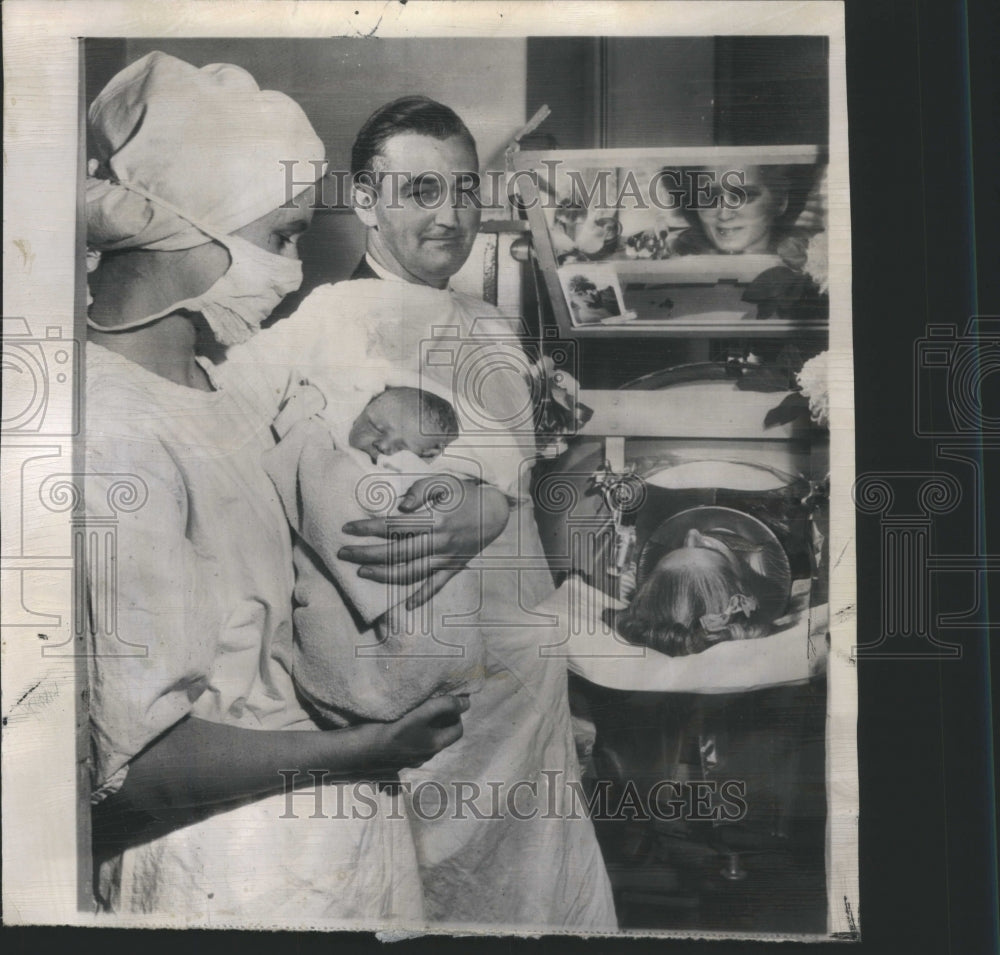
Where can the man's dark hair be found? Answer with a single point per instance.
(409, 114)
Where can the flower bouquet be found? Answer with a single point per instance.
(558, 412)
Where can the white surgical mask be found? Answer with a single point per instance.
(241, 298)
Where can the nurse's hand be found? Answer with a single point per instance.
(422, 733)
(462, 518)
(227, 763)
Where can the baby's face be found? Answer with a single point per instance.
(392, 422)
(747, 227)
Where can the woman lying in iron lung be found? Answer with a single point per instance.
(719, 585)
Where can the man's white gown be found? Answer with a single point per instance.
(523, 852)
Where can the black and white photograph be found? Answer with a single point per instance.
(431, 453)
(592, 293)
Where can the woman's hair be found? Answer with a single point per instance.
(700, 595)
(408, 114)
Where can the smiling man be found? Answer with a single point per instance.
(415, 167)
(499, 836)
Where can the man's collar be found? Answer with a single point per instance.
(383, 273)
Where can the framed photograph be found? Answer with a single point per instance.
(704, 240)
(592, 294)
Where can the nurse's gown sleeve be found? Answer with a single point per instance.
(153, 621)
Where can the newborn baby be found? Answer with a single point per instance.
(714, 588)
(324, 481)
(402, 418)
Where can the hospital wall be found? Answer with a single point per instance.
(603, 92)
(339, 83)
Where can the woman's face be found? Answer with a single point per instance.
(279, 231)
(739, 224)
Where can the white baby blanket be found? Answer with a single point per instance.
(390, 659)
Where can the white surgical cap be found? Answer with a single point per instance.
(207, 141)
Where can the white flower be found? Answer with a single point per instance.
(812, 380)
(817, 261)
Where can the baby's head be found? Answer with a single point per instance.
(404, 419)
(714, 588)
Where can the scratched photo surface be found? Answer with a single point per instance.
(422, 460)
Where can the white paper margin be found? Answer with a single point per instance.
(41, 166)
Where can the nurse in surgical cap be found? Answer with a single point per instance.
(196, 730)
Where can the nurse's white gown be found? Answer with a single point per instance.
(197, 621)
